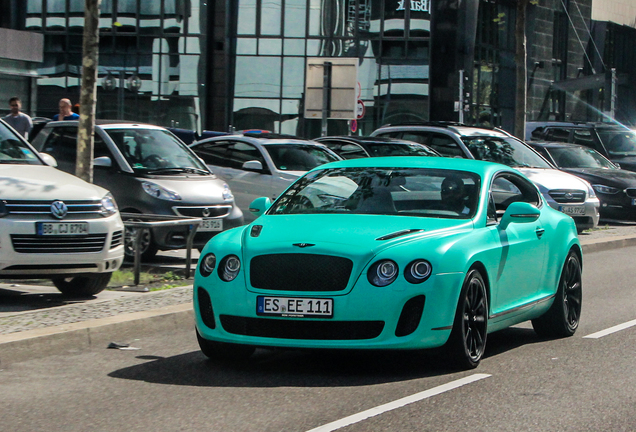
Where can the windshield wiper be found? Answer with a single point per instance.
(189, 170)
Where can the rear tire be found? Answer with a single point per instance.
(467, 342)
(563, 317)
(82, 286)
(224, 351)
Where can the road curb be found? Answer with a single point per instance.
(97, 333)
(601, 245)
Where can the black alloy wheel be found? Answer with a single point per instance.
(147, 246)
(563, 317)
(467, 342)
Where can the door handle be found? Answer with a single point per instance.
(539, 232)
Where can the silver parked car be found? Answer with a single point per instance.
(149, 171)
(565, 192)
(260, 164)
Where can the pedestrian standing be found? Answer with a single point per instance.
(19, 121)
(66, 112)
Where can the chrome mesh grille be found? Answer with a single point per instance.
(75, 208)
(568, 196)
(58, 244)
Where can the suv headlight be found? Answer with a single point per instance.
(160, 192)
(109, 206)
(604, 189)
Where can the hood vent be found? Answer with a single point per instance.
(399, 234)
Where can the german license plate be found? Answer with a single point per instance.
(573, 210)
(294, 307)
(211, 225)
(61, 228)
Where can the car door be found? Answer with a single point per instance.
(517, 272)
(226, 159)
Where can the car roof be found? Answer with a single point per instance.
(107, 124)
(365, 139)
(458, 128)
(261, 139)
(551, 144)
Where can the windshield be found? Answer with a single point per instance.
(507, 151)
(579, 157)
(156, 151)
(377, 149)
(299, 157)
(383, 191)
(619, 143)
(14, 151)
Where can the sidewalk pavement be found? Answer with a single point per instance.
(120, 319)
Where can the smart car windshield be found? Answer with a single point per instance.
(383, 191)
(619, 143)
(298, 157)
(507, 151)
(14, 151)
(156, 151)
(579, 157)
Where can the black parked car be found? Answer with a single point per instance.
(353, 147)
(616, 142)
(614, 187)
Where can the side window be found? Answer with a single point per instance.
(101, 149)
(214, 153)
(508, 188)
(446, 145)
(62, 145)
(557, 134)
(352, 151)
(242, 152)
(418, 137)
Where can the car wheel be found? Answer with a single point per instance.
(224, 351)
(148, 248)
(563, 317)
(467, 342)
(82, 286)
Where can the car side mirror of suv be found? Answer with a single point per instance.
(48, 159)
(519, 212)
(102, 161)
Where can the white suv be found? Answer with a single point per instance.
(53, 224)
(565, 192)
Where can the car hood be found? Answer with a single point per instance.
(354, 236)
(613, 177)
(553, 179)
(193, 189)
(42, 183)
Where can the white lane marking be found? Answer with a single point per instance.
(398, 403)
(611, 330)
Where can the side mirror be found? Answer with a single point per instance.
(253, 165)
(617, 165)
(260, 205)
(48, 159)
(102, 161)
(519, 212)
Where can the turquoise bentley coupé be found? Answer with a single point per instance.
(391, 253)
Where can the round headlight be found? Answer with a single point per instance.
(418, 271)
(206, 267)
(382, 273)
(229, 268)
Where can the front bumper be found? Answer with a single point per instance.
(367, 317)
(586, 219)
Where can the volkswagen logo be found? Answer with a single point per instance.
(569, 196)
(206, 212)
(59, 209)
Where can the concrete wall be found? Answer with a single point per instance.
(617, 11)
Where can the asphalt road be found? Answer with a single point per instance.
(524, 383)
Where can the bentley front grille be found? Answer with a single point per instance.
(300, 272)
(296, 329)
(58, 244)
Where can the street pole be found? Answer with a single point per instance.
(461, 96)
(326, 95)
(88, 92)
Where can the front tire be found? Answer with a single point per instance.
(563, 317)
(224, 351)
(147, 246)
(82, 286)
(467, 342)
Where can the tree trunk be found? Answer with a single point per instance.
(88, 92)
(520, 60)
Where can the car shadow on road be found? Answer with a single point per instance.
(309, 368)
(19, 300)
